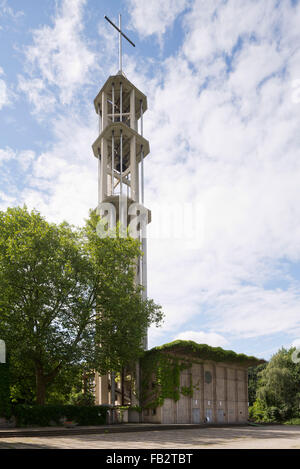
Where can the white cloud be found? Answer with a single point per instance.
(7, 154)
(296, 343)
(251, 311)
(225, 132)
(63, 181)
(24, 157)
(210, 338)
(3, 94)
(38, 95)
(59, 57)
(13, 164)
(214, 28)
(155, 17)
(6, 10)
(6, 200)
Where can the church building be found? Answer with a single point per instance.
(186, 382)
(181, 382)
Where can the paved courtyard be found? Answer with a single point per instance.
(266, 437)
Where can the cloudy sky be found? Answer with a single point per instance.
(223, 177)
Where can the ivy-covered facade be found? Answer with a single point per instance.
(185, 382)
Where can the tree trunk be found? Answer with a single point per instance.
(40, 386)
(122, 386)
(85, 383)
(43, 380)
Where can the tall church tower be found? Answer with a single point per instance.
(120, 149)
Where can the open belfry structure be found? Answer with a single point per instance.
(180, 382)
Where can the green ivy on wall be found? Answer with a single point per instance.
(161, 379)
(206, 352)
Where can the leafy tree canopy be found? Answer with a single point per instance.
(277, 388)
(279, 382)
(64, 291)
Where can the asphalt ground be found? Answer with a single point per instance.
(130, 436)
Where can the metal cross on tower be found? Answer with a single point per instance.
(119, 29)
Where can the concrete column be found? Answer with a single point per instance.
(175, 411)
(112, 388)
(97, 389)
(226, 395)
(190, 401)
(202, 405)
(104, 110)
(109, 183)
(100, 119)
(132, 109)
(144, 283)
(214, 393)
(104, 393)
(99, 177)
(134, 171)
(246, 393)
(136, 392)
(103, 168)
(236, 396)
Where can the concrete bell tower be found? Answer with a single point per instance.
(120, 149)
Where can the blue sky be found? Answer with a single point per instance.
(223, 86)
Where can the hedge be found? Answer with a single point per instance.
(4, 390)
(47, 415)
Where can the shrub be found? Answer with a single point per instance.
(261, 413)
(273, 414)
(47, 415)
(294, 421)
(82, 399)
(257, 412)
(5, 409)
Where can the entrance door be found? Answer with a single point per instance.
(220, 416)
(195, 415)
(208, 415)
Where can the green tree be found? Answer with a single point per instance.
(253, 379)
(279, 385)
(22, 380)
(52, 289)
